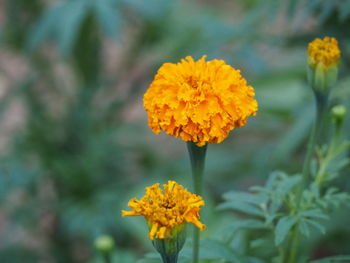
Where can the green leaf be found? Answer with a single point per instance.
(344, 11)
(316, 213)
(69, 24)
(304, 228)
(62, 22)
(341, 148)
(316, 225)
(45, 26)
(245, 224)
(108, 16)
(327, 10)
(256, 199)
(289, 183)
(241, 207)
(283, 226)
(211, 250)
(274, 178)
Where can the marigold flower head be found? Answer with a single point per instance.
(201, 101)
(325, 51)
(166, 210)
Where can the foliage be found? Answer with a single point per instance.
(79, 152)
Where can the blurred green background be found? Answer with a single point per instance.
(75, 145)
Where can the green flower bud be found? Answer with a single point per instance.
(322, 79)
(104, 244)
(323, 60)
(338, 112)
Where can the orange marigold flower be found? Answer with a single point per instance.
(165, 211)
(325, 51)
(201, 101)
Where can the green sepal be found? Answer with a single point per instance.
(322, 78)
(170, 246)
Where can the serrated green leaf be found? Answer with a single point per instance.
(316, 213)
(245, 224)
(271, 217)
(274, 177)
(257, 188)
(316, 225)
(245, 197)
(241, 207)
(45, 26)
(341, 148)
(289, 184)
(276, 203)
(283, 226)
(211, 250)
(69, 24)
(108, 17)
(304, 228)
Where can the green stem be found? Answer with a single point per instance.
(170, 258)
(197, 157)
(107, 257)
(294, 248)
(321, 112)
(321, 173)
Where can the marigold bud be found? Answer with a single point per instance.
(323, 60)
(339, 112)
(104, 244)
(323, 51)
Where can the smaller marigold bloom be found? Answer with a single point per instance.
(167, 211)
(200, 101)
(323, 51)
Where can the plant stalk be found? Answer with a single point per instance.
(107, 257)
(169, 258)
(294, 248)
(321, 113)
(197, 157)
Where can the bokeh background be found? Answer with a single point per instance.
(74, 140)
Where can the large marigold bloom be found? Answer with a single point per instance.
(324, 51)
(165, 211)
(201, 101)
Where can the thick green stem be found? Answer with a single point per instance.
(169, 258)
(294, 247)
(321, 173)
(321, 112)
(197, 157)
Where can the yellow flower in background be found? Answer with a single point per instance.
(166, 211)
(323, 51)
(201, 101)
